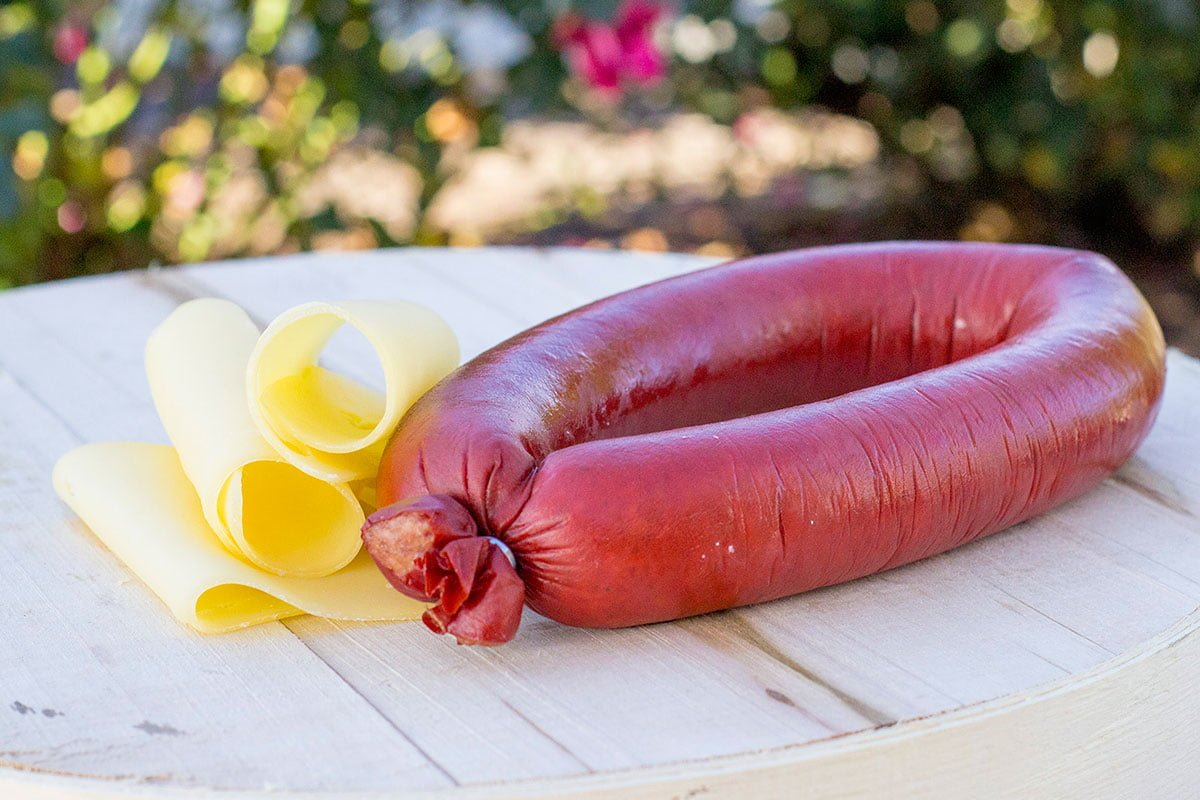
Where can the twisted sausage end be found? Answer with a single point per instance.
(430, 549)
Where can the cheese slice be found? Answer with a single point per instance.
(262, 508)
(137, 499)
(326, 424)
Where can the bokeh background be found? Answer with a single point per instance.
(138, 132)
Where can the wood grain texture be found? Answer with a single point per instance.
(1054, 655)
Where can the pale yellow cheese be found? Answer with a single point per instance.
(326, 424)
(262, 508)
(138, 501)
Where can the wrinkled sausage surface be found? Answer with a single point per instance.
(763, 428)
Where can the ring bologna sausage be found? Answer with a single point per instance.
(763, 428)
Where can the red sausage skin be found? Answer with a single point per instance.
(763, 428)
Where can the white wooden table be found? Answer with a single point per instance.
(1060, 659)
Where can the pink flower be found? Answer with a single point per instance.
(746, 127)
(607, 54)
(69, 42)
(635, 22)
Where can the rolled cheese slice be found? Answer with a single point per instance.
(262, 508)
(330, 426)
(138, 501)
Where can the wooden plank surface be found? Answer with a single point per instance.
(99, 681)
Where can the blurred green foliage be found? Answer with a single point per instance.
(138, 130)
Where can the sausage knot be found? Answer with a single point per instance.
(430, 549)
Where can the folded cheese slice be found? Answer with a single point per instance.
(138, 501)
(328, 425)
(263, 508)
